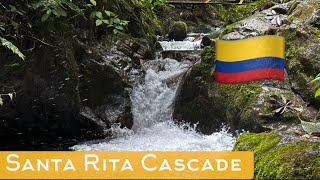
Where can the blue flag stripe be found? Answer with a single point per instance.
(252, 64)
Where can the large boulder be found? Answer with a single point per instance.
(195, 104)
(303, 49)
(284, 154)
(248, 107)
(251, 106)
(178, 31)
(263, 23)
(75, 92)
(105, 82)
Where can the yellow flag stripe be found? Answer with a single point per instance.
(257, 47)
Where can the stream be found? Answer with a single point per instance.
(152, 97)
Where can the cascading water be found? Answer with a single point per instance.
(152, 100)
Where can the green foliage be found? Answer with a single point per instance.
(55, 8)
(234, 13)
(12, 47)
(317, 94)
(8, 18)
(110, 20)
(150, 4)
(107, 18)
(208, 55)
(227, 30)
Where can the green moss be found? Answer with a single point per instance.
(234, 13)
(227, 30)
(201, 76)
(302, 13)
(316, 31)
(288, 161)
(240, 100)
(258, 143)
(208, 55)
(180, 25)
(178, 31)
(241, 94)
(293, 44)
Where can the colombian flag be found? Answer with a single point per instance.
(250, 59)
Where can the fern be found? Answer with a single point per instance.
(56, 8)
(12, 47)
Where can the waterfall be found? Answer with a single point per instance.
(152, 99)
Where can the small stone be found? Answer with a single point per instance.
(306, 136)
(206, 41)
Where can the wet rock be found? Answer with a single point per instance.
(206, 41)
(88, 114)
(178, 31)
(158, 46)
(193, 104)
(135, 48)
(280, 10)
(200, 19)
(54, 91)
(301, 39)
(192, 56)
(304, 12)
(241, 107)
(263, 23)
(105, 84)
(64, 86)
(302, 42)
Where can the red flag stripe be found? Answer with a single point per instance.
(242, 77)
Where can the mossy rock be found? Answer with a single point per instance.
(227, 30)
(178, 31)
(299, 160)
(234, 13)
(302, 54)
(304, 13)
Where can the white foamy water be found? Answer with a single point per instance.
(154, 129)
(181, 45)
(164, 136)
(192, 42)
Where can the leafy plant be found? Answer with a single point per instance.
(12, 47)
(150, 4)
(58, 8)
(281, 104)
(317, 93)
(108, 19)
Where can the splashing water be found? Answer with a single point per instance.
(191, 43)
(181, 45)
(154, 129)
(164, 136)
